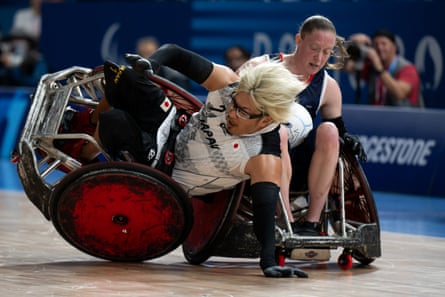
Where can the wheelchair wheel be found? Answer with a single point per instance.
(360, 206)
(121, 211)
(212, 219)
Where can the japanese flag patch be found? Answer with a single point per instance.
(166, 104)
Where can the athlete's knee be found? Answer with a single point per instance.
(327, 137)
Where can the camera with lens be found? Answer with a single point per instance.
(357, 52)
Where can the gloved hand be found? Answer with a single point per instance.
(353, 142)
(283, 271)
(140, 65)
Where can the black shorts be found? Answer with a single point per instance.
(301, 157)
(138, 96)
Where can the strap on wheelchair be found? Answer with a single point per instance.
(167, 160)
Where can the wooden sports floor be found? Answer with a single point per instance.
(36, 261)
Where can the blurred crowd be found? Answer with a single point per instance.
(21, 62)
(389, 78)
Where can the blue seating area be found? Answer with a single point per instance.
(14, 103)
(6, 17)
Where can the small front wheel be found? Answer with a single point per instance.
(345, 261)
(280, 256)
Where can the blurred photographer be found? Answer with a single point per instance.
(392, 80)
(21, 63)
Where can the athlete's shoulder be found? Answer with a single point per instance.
(331, 82)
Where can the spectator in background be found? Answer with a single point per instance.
(146, 46)
(21, 63)
(392, 80)
(29, 20)
(235, 56)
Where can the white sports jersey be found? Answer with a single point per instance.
(208, 158)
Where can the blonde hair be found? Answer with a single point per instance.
(272, 88)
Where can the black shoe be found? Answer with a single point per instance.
(306, 228)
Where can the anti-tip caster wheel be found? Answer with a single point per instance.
(345, 261)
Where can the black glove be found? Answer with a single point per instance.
(353, 142)
(284, 271)
(140, 65)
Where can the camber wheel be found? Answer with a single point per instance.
(212, 219)
(121, 211)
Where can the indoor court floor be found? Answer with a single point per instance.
(36, 261)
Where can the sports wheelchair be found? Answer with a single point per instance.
(124, 211)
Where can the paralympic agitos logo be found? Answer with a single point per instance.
(429, 47)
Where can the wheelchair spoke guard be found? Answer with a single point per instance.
(121, 211)
(360, 208)
(213, 218)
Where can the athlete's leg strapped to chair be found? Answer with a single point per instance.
(140, 107)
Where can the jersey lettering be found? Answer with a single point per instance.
(211, 141)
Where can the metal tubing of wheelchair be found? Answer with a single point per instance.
(286, 217)
(342, 196)
(323, 242)
(50, 168)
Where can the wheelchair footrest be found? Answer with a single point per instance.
(317, 242)
(308, 254)
(366, 238)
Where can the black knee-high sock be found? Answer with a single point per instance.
(264, 199)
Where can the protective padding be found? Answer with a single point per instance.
(121, 211)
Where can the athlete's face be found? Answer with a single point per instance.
(314, 49)
(243, 117)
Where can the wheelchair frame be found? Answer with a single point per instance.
(349, 221)
(51, 190)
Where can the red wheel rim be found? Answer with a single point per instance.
(121, 215)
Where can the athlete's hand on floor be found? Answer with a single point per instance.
(284, 271)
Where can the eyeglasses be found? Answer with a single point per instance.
(241, 113)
